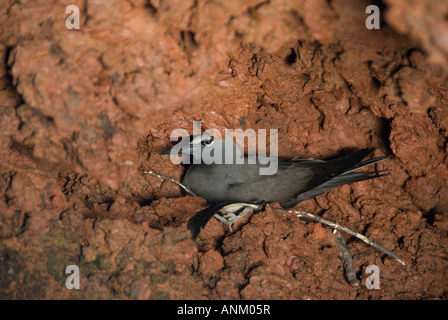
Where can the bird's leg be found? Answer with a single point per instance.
(235, 211)
(347, 261)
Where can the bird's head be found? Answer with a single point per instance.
(203, 148)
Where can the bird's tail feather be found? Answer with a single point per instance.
(330, 169)
(367, 163)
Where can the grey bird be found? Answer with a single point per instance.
(294, 181)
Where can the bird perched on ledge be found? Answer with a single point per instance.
(294, 181)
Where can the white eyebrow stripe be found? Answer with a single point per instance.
(206, 136)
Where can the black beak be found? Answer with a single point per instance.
(178, 151)
(183, 147)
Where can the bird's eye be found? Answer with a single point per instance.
(208, 142)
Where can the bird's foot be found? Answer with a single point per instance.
(235, 211)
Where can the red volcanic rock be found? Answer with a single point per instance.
(85, 112)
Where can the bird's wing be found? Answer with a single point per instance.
(334, 173)
(293, 178)
(246, 184)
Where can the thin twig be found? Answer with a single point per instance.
(347, 261)
(172, 180)
(300, 214)
(337, 226)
